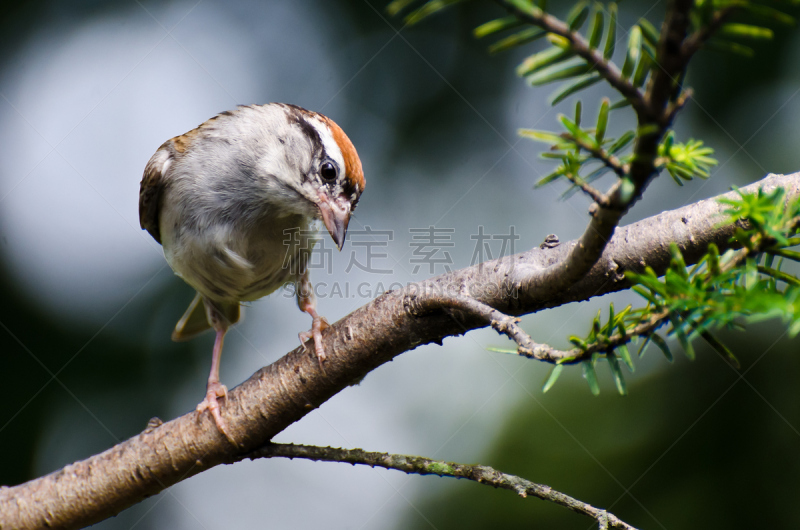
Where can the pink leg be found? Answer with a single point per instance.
(215, 389)
(308, 304)
(318, 325)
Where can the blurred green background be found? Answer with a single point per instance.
(89, 90)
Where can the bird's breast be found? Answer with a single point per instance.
(227, 262)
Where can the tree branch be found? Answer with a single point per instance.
(425, 466)
(654, 115)
(610, 161)
(502, 323)
(595, 194)
(650, 112)
(701, 36)
(544, 352)
(276, 396)
(607, 69)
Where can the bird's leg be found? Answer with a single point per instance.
(308, 304)
(215, 389)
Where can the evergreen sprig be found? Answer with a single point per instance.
(729, 291)
(685, 161)
(579, 51)
(586, 154)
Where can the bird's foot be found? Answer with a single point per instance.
(317, 327)
(215, 390)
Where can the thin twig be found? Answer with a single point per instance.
(677, 106)
(610, 161)
(593, 193)
(526, 347)
(607, 69)
(778, 275)
(425, 466)
(604, 345)
(502, 323)
(696, 40)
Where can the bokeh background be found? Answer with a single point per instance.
(90, 89)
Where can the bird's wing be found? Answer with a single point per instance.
(151, 190)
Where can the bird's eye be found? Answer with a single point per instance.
(328, 171)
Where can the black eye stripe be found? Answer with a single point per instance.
(298, 116)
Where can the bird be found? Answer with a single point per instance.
(232, 203)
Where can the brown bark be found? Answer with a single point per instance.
(282, 393)
(425, 466)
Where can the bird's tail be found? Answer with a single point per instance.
(194, 321)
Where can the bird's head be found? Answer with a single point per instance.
(331, 179)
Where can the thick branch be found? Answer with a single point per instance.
(280, 394)
(425, 466)
(585, 253)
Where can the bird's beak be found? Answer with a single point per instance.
(335, 214)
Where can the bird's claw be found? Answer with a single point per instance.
(215, 390)
(317, 327)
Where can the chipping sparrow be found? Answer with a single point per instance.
(221, 200)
